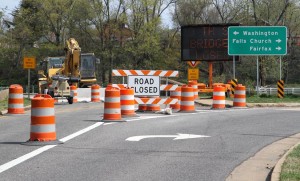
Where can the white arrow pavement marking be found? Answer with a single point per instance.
(176, 137)
(236, 33)
(278, 48)
(278, 40)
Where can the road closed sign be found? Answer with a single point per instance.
(144, 85)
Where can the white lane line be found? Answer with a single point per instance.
(67, 138)
(38, 151)
(23, 158)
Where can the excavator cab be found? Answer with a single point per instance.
(87, 69)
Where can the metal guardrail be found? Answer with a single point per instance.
(273, 91)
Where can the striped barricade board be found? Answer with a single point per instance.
(162, 73)
(280, 88)
(158, 100)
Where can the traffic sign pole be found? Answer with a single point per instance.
(257, 75)
(29, 63)
(280, 68)
(28, 84)
(233, 67)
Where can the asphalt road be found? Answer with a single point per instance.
(101, 152)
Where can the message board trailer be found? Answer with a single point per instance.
(205, 42)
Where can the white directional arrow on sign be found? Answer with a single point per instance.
(278, 48)
(176, 137)
(278, 40)
(236, 33)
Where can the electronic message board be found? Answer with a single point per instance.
(205, 42)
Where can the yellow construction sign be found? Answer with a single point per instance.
(193, 73)
(29, 63)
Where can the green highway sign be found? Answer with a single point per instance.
(257, 40)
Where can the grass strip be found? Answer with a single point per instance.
(291, 166)
(4, 103)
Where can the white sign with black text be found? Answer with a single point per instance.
(144, 85)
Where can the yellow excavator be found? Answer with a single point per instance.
(59, 73)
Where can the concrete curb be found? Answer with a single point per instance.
(277, 169)
(259, 166)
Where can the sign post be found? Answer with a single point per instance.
(29, 63)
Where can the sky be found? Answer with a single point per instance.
(10, 5)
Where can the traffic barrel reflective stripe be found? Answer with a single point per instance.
(219, 97)
(95, 93)
(177, 95)
(194, 84)
(42, 127)
(15, 99)
(187, 103)
(239, 96)
(112, 104)
(127, 102)
(74, 92)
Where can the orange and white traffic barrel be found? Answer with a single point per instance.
(194, 84)
(153, 107)
(42, 127)
(112, 104)
(218, 97)
(177, 95)
(15, 99)
(239, 96)
(142, 107)
(187, 103)
(95, 93)
(74, 92)
(127, 102)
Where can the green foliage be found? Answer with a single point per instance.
(264, 96)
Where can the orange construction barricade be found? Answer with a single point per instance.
(219, 97)
(127, 102)
(15, 99)
(194, 84)
(112, 104)
(239, 96)
(74, 92)
(42, 126)
(177, 95)
(187, 103)
(95, 93)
